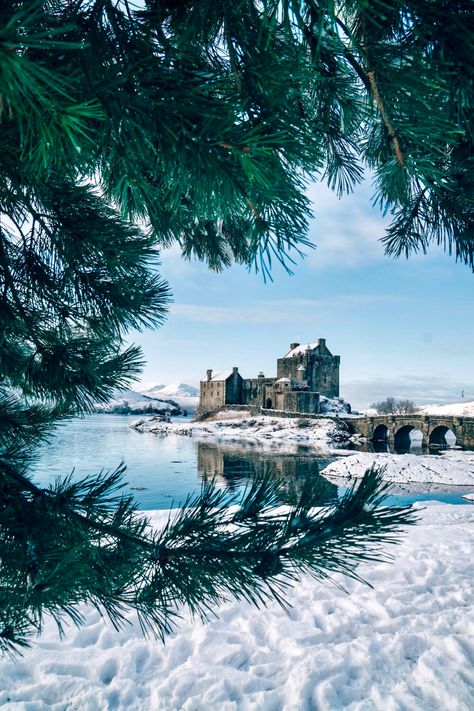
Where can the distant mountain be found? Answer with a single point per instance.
(127, 401)
(179, 389)
(187, 396)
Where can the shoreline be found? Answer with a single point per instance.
(326, 436)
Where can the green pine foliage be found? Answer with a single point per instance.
(127, 127)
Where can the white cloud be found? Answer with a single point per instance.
(278, 310)
(346, 231)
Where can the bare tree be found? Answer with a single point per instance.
(390, 406)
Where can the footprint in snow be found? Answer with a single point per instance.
(108, 671)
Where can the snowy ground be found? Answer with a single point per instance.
(241, 426)
(451, 467)
(407, 644)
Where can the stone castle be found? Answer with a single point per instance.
(304, 374)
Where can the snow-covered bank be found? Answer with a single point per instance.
(408, 643)
(451, 467)
(241, 426)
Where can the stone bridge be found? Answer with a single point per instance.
(395, 429)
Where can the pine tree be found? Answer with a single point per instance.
(126, 127)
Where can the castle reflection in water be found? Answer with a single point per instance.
(234, 466)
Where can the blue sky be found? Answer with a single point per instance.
(403, 328)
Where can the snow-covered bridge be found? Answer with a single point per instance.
(395, 429)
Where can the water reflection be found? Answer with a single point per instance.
(234, 466)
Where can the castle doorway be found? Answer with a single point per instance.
(269, 403)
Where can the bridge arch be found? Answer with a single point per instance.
(404, 437)
(442, 436)
(380, 438)
(380, 433)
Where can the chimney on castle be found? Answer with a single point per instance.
(322, 342)
(209, 374)
(293, 345)
(235, 370)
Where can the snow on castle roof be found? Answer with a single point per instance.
(299, 350)
(221, 375)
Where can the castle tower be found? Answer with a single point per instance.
(321, 367)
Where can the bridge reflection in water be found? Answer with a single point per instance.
(235, 466)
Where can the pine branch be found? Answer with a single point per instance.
(214, 546)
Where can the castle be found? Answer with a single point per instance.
(303, 374)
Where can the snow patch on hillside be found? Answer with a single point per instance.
(333, 406)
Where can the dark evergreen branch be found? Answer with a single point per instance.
(203, 553)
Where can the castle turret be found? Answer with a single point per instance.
(301, 372)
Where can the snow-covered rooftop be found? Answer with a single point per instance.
(299, 350)
(221, 375)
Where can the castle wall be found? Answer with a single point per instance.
(253, 390)
(233, 389)
(324, 375)
(212, 395)
(297, 401)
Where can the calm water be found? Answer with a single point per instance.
(164, 470)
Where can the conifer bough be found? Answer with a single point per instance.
(126, 127)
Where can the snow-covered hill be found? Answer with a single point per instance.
(128, 401)
(187, 396)
(456, 409)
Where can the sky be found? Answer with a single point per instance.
(403, 328)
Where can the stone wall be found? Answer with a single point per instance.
(233, 391)
(254, 389)
(212, 395)
(323, 375)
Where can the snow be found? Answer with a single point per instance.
(451, 467)
(301, 349)
(220, 375)
(241, 426)
(456, 409)
(135, 401)
(408, 644)
(333, 406)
